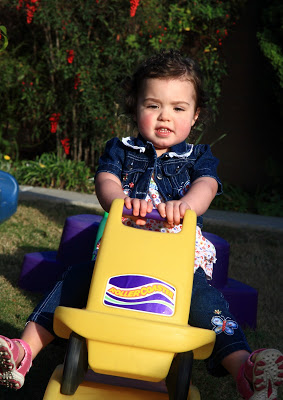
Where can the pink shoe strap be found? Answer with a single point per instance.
(245, 377)
(249, 366)
(13, 348)
(26, 362)
(243, 385)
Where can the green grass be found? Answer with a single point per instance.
(255, 260)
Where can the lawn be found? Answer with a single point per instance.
(255, 260)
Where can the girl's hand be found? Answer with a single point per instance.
(173, 211)
(140, 209)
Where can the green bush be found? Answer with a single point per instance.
(65, 61)
(267, 200)
(49, 171)
(233, 198)
(3, 38)
(270, 39)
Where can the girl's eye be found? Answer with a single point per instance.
(178, 109)
(152, 106)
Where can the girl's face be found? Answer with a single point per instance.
(166, 111)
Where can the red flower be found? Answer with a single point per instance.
(71, 55)
(134, 6)
(31, 6)
(77, 81)
(54, 119)
(20, 4)
(66, 145)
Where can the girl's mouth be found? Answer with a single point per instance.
(163, 132)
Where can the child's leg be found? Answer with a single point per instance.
(233, 362)
(258, 374)
(209, 310)
(37, 337)
(71, 291)
(16, 354)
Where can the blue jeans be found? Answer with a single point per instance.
(209, 310)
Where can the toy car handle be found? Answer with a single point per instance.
(154, 214)
(126, 212)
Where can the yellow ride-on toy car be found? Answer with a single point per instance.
(136, 318)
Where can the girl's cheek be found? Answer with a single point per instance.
(144, 123)
(184, 126)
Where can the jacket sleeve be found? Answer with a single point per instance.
(205, 165)
(112, 159)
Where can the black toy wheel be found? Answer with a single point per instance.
(75, 364)
(184, 375)
(179, 377)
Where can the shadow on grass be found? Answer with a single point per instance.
(11, 263)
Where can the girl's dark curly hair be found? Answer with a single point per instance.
(165, 64)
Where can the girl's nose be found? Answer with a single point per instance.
(164, 115)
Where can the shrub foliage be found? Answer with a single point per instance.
(48, 170)
(60, 73)
(270, 39)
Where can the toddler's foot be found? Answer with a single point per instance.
(260, 376)
(12, 376)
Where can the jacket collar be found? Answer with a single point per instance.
(179, 150)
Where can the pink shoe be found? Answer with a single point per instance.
(11, 376)
(260, 380)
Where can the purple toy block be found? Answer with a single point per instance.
(242, 300)
(220, 269)
(41, 270)
(78, 238)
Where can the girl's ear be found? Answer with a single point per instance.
(196, 116)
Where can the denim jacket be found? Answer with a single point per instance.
(134, 160)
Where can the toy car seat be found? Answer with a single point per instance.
(136, 318)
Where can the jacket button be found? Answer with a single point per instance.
(159, 176)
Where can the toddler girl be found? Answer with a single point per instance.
(158, 169)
